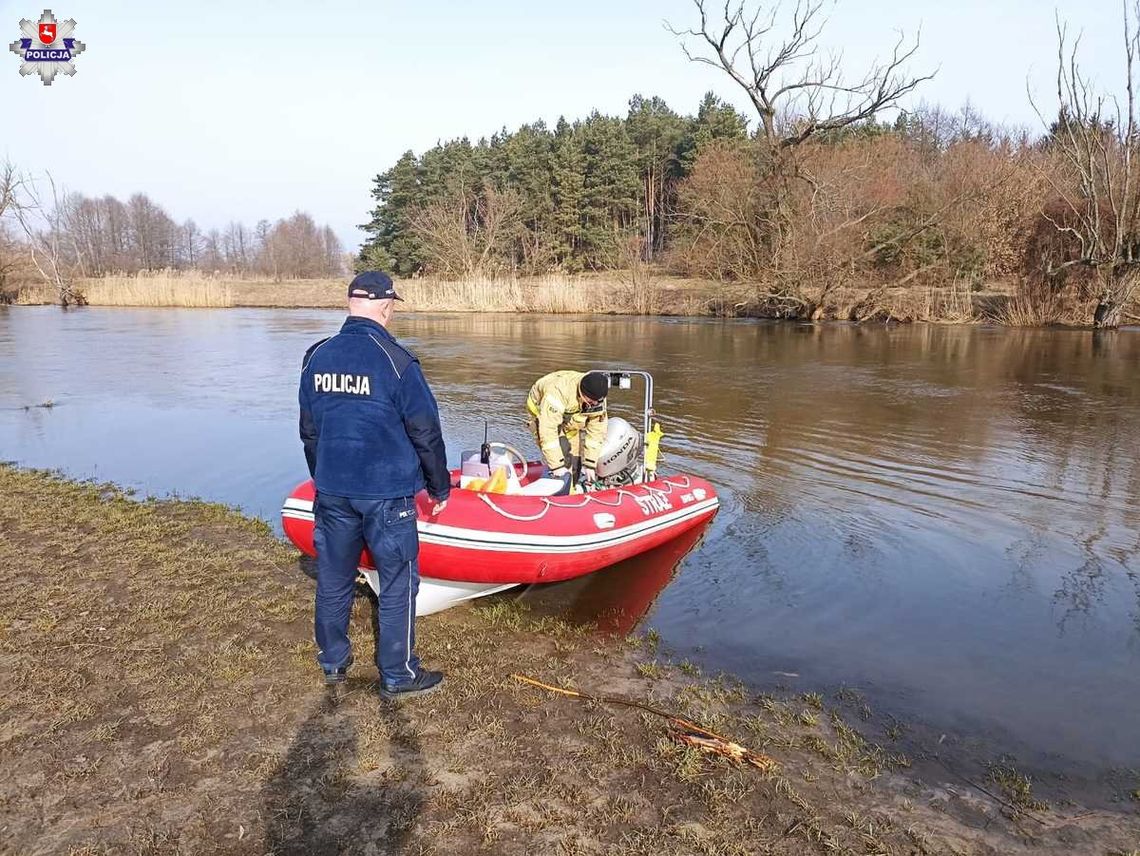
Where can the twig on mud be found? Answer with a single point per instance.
(683, 730)
(1009, 805)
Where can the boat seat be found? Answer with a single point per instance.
(541, 487)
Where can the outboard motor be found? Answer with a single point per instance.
(620, 461)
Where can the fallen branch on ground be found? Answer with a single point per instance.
(682, 730)
(1017, 811)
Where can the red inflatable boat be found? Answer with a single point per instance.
(485, 542)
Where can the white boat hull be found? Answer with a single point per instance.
(437, 595)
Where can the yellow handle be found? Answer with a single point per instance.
(652, 444)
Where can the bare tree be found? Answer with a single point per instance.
(723, 217)
(333, 252)
(801, 95)
(298, 247)
(236, 245)
(294, 248)
(469, 234)
(798, 94)
(211, 259)
(191, 239)
(114, 218)
(44, 228)
(266, 259)
(1097, 140)
(10, 249)
(632, 270)
(151, 231)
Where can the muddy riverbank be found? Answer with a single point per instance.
(159, 695)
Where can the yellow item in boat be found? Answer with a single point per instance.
(497, 483)
(652, 444)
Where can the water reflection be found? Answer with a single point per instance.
(616, 599)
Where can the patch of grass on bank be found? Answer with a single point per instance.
(159, 695)
(1016, 786)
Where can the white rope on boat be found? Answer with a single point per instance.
(622, 493)
(525, 518)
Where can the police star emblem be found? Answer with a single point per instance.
(48, 47)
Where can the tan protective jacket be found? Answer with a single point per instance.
(553, 402)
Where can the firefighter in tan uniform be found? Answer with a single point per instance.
(564, 407)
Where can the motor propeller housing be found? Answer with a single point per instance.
(620, 460)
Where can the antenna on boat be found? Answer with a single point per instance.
(485, 449)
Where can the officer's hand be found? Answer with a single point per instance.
(588, 475)
(559, 473)
(438, 507)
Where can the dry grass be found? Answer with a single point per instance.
(33, 294)
(622, 293)
(1066, 309)
(553, 294)
(159, 289)
(1020, 312)
(615, 293)
(949, 304)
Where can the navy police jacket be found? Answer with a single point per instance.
(369, 423)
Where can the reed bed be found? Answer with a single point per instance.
(615, 293)
(159, 289)
(479, 294)
(1064, 310)
(35, 294)
(949, 304)
(546, 294)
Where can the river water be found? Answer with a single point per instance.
(946, 519)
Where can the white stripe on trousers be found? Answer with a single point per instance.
(411, 618)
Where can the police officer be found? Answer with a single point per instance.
(372, 438)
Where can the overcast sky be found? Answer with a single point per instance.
(250, 110)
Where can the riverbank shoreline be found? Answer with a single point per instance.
(616, 293)
(160, 696)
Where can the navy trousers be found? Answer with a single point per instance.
(388, 527)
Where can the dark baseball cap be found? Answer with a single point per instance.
(373, 285)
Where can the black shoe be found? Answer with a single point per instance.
(425, 682)
(338, 676)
